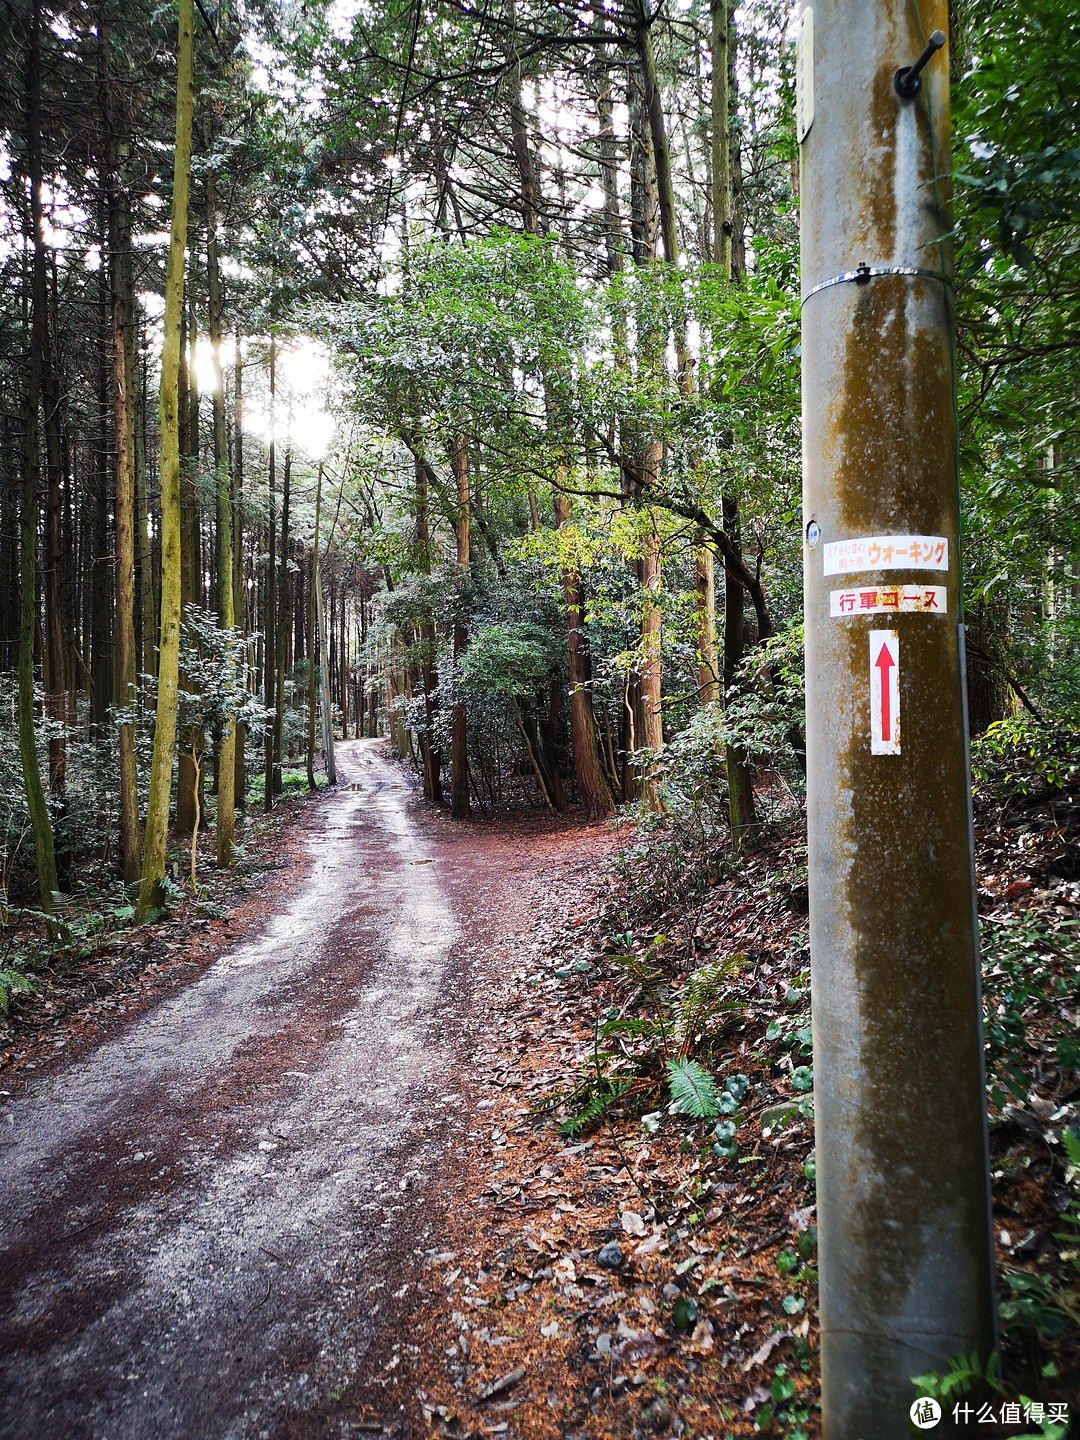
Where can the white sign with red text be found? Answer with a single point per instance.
(875, 599)
(886, 552)
(884, 692)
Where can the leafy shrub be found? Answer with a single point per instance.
(1035, 1301)
(13, 982)
(766, 715)
(1030, 971)
(636, 1054)
(1022, 755)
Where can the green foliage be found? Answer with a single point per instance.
(1039, 1302)
(730, 1100)
(13, 982)
(684, 1314)
(635, 1054)
(1020, 754)
(1017, 126)
(212, 668)
(724, 1143)
(1031, 968)
(694, 1092)
(590, 1103)
(507, 659)
(703, 999)
(963, 1374)
(766, 716)
(1017, 146)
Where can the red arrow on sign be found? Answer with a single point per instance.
(884, 692)
(884, 663)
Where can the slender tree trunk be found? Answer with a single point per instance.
(343, 668)
(549, 731)
(740, 776)
(194, 848)
(55, 685)
(124, 495)
(432, 759)
(609, 161)
(41, 825)
(459, 746)
(312, 670)
(592, 788)
(282, 623)
(226, 769)
(101, 670)
(705, 582)
(519, 138)
(324, 681)
(194, 451)
(661, 153)
(643, 203)
(270, 599)
(530, 750)
(651, 643)
(708, 657)
(157, 818)
(721, 148)
(240, 615)
(189, 526)
(146, 601)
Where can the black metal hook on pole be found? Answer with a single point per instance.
(908, 81)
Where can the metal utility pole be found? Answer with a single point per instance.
(902, 1174)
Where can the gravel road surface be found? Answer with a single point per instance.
(208, 1224)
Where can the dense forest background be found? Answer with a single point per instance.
(486, 360)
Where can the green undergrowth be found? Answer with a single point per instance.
(702, 1034)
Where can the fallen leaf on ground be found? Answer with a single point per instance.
(765, 1350)
(504, 1383)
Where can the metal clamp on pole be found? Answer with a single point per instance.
(907, 80)
(863, 272)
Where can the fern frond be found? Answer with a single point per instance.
(603, 1097)
(703, 995)
(693, 1089)
(642, 1029)
(10, 981)
(638, 972)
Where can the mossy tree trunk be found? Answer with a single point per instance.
(35, 794)
(240, 612)
(459, 743)
(157, 817)
(270, 595)
(281, 630)
(593, 792)
(226, 807)
(312, 613)
(123, 413)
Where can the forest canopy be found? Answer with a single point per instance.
(482, 322)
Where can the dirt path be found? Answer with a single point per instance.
(208, 1224)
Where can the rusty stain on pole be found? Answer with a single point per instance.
(902, 1169)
